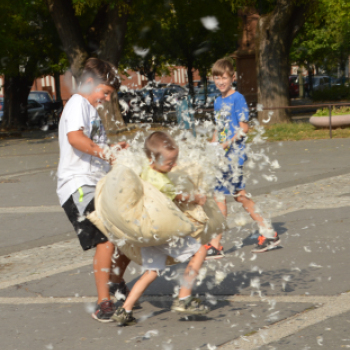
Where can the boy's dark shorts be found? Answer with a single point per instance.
(89, 235)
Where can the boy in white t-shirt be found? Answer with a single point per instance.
(83, 163)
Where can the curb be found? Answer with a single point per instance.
(10, 134)
(133, 127)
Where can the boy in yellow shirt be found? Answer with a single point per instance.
(162, 153)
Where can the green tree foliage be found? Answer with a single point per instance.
(172, 33)
(324, 40)
(90, 28)
(195, 41)
(29, 49)
(93, 28)
(144, 51)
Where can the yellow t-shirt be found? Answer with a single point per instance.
(160, 181)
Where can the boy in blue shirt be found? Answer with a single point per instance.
(231, 116)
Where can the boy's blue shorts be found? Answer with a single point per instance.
(235, 183)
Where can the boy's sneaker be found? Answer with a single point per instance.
(104, 311)
(190, 306)
(214, 253)
(265, 244)
(123, 318)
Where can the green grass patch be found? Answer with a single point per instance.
(300, 131)
(276, 132)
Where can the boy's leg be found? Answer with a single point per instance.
(191, 272)
(102, 269)
(138, 289)
(215, 242)
(89, 237)
(117, 285)
(249, 207)
(153, 260)
(119, 265)
(102, 265)
(185, 302)
(268, 238)
(123, 316)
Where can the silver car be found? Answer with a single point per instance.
(1, 109)
(36, 113)
(320, 82)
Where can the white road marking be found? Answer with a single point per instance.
(331, 306)
(291, 325)
(28, 172)
(317, 299)
(37, 209)
(38, 276)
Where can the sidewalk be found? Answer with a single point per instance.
(290, 297)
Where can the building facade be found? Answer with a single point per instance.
(133, 80)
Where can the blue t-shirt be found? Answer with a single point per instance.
(229, 111)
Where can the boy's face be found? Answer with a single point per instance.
(166, 161)
(224, 83)
(96, 95)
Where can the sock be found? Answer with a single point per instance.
(128, 311)
(185, 297)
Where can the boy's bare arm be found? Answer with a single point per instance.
(198, 198)
(82, 143)
(244, 127)
(215, 136)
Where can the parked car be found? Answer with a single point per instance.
(130, 102)
(212, 94)
(294, 86)
(1, 108)
(320, 82)
(340, 81)
(196, 83)
(161, 99)
(37, 114)
(52, 108)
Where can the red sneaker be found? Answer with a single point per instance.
(265, 244)
(104, 312)
(214, 253)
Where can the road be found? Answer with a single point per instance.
(295, 297)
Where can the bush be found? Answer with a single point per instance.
(334, 93)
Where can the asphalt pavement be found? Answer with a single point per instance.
(294, 297)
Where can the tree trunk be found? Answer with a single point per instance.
(58, 87)
(69, 31)
(190, 77)
(275, 35)
(111, 116)
(108, 33)
(16, 95)
(114, 30)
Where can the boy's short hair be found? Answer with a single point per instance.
(158, 141)
(221, 67)
(102, 72)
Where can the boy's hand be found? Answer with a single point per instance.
(200, 199)
(112, 160)
(120, 145)
(225, 145)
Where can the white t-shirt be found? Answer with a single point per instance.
(76, 168)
